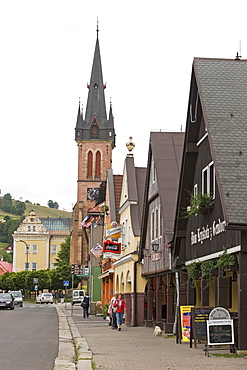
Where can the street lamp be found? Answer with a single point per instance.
(27, 252)
(155, 246)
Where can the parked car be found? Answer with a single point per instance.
(77, 296)
(44, 298)
(17, 296)
(7, 301)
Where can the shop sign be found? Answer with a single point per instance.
(114, 232)
(208, 232)
(97, 250)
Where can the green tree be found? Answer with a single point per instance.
(20, 207)
(63, 255)
(59, 275)
(8, 228)
(4, 256)
(52, 204)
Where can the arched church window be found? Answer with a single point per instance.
(90, 164)
(98, 164)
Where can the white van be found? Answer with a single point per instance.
(77, 296)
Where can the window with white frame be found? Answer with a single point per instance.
(208, 180)
(123, 233)
(161, 222)
(53, 266)
(34, 249)
(128, 235)
(26, 266)
(152, 225)
(53, 249)
(156, 223)
(156, 234)
(34, 266)
(27, 248)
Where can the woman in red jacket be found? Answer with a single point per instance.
(121, 307)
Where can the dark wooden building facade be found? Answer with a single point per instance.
(211, 236)
(161, 188)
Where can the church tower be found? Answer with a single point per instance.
(95, 137)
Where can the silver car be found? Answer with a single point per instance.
(17, 296)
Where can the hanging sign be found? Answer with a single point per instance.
(114, 232)
(111, 249)
(97, 250)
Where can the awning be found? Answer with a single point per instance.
(105, 274)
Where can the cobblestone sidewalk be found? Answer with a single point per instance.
(135, 348)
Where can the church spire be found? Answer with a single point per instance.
(96, 107)
(93, 124)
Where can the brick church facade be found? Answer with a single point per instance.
(95, 137)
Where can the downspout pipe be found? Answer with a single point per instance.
(177, 303)
(135, 294)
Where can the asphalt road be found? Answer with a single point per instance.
(28, 337)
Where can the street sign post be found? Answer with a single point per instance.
(76, 269)
(66, 284)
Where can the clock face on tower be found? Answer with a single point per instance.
(92, 193)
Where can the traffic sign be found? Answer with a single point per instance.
(36, 287)
(66, 283)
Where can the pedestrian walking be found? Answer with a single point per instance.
(56, 296)
(113, 321)
(120, 306)
(62, 297)
(85, 305)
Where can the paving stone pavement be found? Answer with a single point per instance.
(135, 348)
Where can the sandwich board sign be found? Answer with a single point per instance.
(220, 329)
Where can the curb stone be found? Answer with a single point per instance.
(71, 345)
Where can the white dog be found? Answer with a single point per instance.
(157, 331)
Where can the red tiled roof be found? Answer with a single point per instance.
(5, 267)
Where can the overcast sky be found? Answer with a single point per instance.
(147, 49)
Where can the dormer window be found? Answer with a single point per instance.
(94, 131)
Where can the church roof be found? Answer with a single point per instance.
(96, 108)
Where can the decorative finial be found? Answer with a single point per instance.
(79, 100)
(130, 144)
(97, 26)
(238, 57)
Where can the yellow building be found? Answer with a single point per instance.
(37, 242)
(128, 279)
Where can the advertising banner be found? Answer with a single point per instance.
(185, 314)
